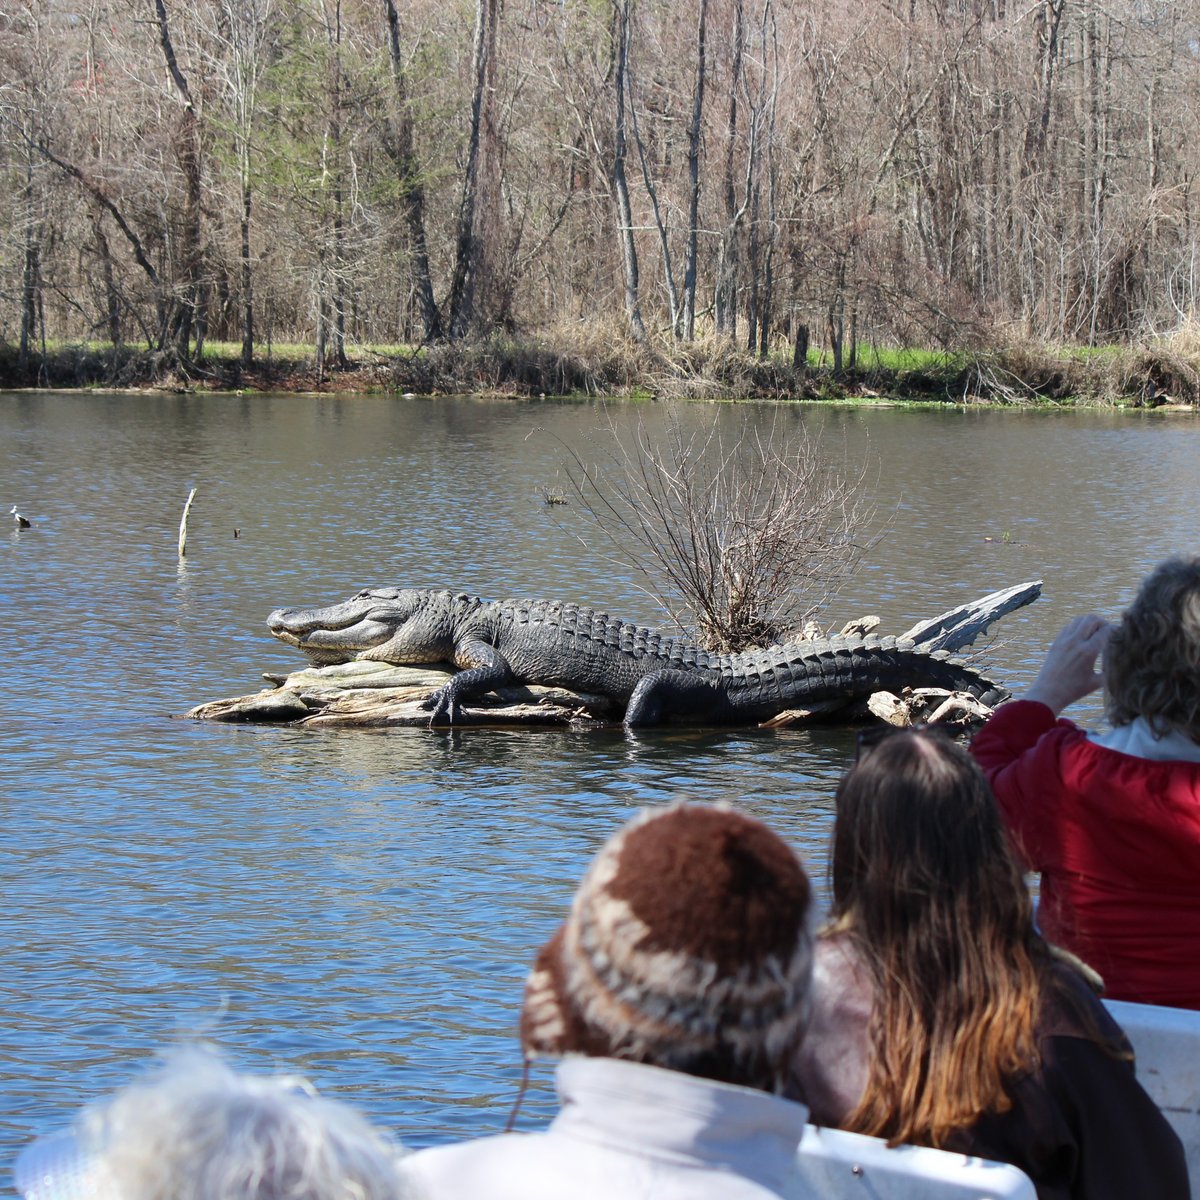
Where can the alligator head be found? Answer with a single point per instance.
(397, 625)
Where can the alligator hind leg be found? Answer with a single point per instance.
(676, 693)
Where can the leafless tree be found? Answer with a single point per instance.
(622, 29)
(686, 324)
(401, 145)
(245, 36)
(741, 535)
(887, 173)
(471, 250)
(185, 316)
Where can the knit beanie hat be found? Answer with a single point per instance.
(687, 947)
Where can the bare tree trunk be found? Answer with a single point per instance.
(339, 271)
(725, 313)
(332, 267)
(30, 296)
(31, 273)
(764, 344)
(629, 259)
(800, 353)
(754, 250)
(764, 329)
(687, 323)
(112, 298)
(401, 146)
(322, 323)
(469, 256)
(245, 28)
(1047, 20)
(182, 313)
(247, 266)
(762, 145)
(1111, 300)
(835, 315)
(652, 192)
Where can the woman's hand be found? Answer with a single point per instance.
(1069, 671)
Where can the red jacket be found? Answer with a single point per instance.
(1117, 841)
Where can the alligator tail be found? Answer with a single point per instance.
(849, 669)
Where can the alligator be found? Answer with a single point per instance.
(497, 643)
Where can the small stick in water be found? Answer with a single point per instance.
(183, 524)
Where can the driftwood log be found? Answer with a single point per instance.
(368, 694)
(373, 694)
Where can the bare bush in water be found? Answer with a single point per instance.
(741, 535)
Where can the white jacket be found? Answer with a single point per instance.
(626, 1131)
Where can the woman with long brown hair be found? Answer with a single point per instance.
(942, 1017)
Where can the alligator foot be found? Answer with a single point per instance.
(446, 703)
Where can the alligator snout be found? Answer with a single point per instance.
(338, 632)
(283, 621)
(299, 621)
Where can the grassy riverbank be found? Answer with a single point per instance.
(600, 361)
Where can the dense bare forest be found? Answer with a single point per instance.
(373, 172)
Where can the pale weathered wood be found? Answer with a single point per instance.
(187, 508)
(890, 708)
(376, 713)
(929, 706)
(960, 626)
(365, 693)
(859, 627)
(363, 673)
(279, 704)
(802, 716)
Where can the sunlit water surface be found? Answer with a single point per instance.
(362, 906)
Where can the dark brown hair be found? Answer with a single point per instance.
(927, 887)
(1152, 660)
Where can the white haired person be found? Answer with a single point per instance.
(193, 1129)
(675, 993)
(1112, 820)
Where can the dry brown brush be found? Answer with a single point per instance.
(741, 535)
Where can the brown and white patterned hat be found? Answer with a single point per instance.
(687, 946)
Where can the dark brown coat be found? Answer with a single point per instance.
(1081, 1126)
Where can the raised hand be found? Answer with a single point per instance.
(1069, 671)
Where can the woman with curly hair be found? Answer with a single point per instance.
(940, 1015)
(1112, 821)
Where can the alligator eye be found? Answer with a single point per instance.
(384, 614)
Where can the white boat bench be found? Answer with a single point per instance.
(836, 1165)
(1166, 1044)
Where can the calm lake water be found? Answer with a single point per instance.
(362, 906)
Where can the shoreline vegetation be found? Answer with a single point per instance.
(601, 361)
(708, 200)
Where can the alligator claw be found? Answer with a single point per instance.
(444, 707)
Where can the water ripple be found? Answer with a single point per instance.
(362, 906)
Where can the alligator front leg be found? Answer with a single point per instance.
(487, 669)
(673, 692)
